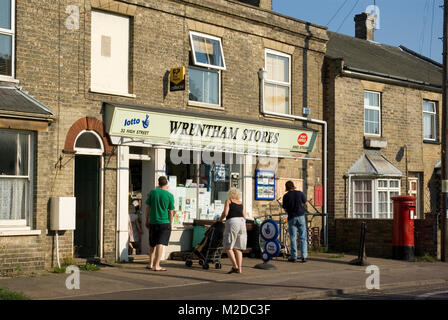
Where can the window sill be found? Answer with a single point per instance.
(204, 105)
(100, 91)
(6, 232)
(9, 79)
(432, 142)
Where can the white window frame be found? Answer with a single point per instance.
(434, 115)
(374, 108)
(11, 32)
(23, 223)
(193, 50)
(375, 189)
(205, 104)
(281, 83)
(90, 151)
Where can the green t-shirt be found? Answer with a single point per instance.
(160, 202)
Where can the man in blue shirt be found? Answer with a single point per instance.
(293, 202)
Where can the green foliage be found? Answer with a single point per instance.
(425, 258)
(89, 267)
(59, 270)
(6, 294)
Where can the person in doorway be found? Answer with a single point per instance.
(135, 231)
(159, 218)
(235, 235)
(293, 202)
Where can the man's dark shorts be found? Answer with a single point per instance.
(159, 234)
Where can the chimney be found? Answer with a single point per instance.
(364, 23)
(263, 4)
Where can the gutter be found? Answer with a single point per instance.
(351, 71)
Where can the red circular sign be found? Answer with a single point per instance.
(302, 139)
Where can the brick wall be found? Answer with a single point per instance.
(53, 65)
(426, 236)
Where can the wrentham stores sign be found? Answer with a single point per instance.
(187, 130)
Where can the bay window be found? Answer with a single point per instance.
(372, 198)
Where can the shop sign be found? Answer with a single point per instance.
(177, 79)
(181, 131)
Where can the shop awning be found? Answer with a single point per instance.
(181, 129)
(374, 163)
(19, 110)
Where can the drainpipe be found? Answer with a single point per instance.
(261, 76)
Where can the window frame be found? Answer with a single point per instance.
(12, 33)
(205, 104)
(89, 151)
(374, 108)
(375, 190)
(25, 223)
(435, 117)
(193, 51)
(280, 83)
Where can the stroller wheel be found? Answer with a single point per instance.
(201, 262)
(218, 265)
(205, 266)
(189, 263)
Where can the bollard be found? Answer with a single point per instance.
(361, 261)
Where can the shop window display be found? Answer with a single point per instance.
(200, 187)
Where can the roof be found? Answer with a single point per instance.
(374, 163)
(383, 60)
(14, 100)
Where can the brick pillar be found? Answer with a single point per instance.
(364, 26)
(266, 4)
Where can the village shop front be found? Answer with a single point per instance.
(203, 155)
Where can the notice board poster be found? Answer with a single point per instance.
(264, 185)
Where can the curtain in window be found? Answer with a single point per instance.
(277, 68)
(428, 126)
(276, 98)
(204, 86)
(13, 198)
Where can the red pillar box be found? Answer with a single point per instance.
(404, 215)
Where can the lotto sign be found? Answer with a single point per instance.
(269, 230)
(268, 240)
(302, 139)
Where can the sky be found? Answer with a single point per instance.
(415, 24)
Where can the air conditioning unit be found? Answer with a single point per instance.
(63, 213)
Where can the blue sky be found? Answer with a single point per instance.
(402, 22)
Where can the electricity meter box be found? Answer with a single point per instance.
(63, 213)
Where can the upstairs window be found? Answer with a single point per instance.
(7, 32)
(372, 113)
(204, 76)
(277, 83)
(429, 120)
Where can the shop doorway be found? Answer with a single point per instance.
(87, 176)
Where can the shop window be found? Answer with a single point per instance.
(110, 53)
(204, 75)
(16, 177)
(372, 198)
(429, 120)
(277, 83)
(7, 38)
(372, 113)
(200, 189)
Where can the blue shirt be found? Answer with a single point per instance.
(293, 203)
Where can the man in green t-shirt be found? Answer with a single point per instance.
(159, 217)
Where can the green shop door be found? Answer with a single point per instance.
(87, 173)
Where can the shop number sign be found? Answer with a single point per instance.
(268, 240)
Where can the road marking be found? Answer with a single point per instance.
(430, 294)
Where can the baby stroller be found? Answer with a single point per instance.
(209, 250)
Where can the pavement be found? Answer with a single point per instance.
(323, 276)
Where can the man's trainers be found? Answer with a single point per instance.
(303, 260)
(292, 259)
